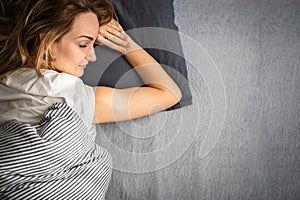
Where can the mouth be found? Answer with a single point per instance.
(82, 66)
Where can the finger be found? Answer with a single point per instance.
(119, 41)
(113, 23)
(122, 35)
(100, 39)
(119, 38)
(109, 32)
(103, 41)
(114, 46)
(115, 27)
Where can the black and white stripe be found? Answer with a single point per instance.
(56, 159)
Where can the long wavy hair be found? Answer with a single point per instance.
(24, 22)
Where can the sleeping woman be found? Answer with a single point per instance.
(45, 47)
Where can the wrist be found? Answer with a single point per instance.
(132, 47)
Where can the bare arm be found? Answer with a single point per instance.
(158, 93)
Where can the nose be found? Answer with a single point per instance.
(92, 56)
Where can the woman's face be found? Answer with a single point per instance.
(76, 49)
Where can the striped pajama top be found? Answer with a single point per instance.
(56, 159)
(47, 148)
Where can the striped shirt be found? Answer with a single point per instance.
(56, 159)
(49, 153)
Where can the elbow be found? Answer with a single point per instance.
(178, 96)
(169, 96)
(175, 96)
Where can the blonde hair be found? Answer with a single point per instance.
(24, 23)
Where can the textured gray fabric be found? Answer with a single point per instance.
(255, 45)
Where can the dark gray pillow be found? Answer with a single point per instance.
(163, 43)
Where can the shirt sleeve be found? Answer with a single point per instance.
(63, 87)
(25, 96)
(75, 93)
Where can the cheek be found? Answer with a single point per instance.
(64, 55)
(68, 57)
(59, 54)
(73, 55)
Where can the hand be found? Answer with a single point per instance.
(113, 36)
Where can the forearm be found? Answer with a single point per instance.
(150, 71)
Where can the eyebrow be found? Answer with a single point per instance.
(85, 36)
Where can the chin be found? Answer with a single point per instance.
(80, 73)
(76, 73)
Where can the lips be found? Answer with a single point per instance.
(83, 66)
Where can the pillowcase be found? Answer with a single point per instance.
(139, 19)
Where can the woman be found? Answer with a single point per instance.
(47, 46)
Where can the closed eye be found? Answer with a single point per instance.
(83, 46)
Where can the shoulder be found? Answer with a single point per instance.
(52, 83)
(26, 85)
